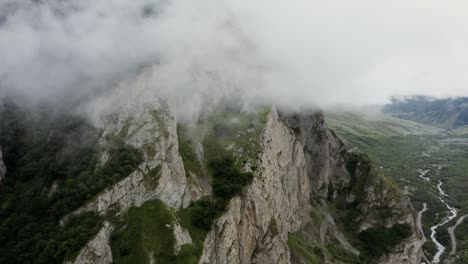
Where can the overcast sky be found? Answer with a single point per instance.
(293, 52)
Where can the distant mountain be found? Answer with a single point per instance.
(445, 113)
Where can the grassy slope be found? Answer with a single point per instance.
(375, 125)
(147, 231)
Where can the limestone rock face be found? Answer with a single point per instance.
(2, 167)
(381, 195)
(299, 157)
(160, 176)
(256, 225)
(97, 251)
(182, 237)
(322, 149)
(408, 251)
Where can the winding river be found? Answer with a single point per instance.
(452, 215)
(422, 175)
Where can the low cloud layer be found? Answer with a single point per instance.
(289, 52)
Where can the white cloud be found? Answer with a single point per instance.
(291, 52)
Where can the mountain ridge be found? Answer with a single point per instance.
(448, 113)
(304, 196)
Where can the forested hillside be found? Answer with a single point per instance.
(42, 150)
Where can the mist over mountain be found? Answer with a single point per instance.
(305, 53)
(233, 131)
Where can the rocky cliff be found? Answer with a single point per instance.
(303, 170)
(160, 176)
(307, 203)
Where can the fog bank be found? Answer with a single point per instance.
(295, 53)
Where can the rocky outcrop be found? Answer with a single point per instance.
(323, 152)
(381, 203)
(301, 160)
(182, 237)
(2, 167)
(160, 176)
(380, 195)
(97, 251)
(408, 251)
(278, 194)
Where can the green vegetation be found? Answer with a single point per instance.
(228, 182)
(123, 160)
(339, 254)
(227, 130)
(192, 253)
(52, 170)
(361, 172)
(69, 239)
(307, 244)
(311, 254)
(230, 138)
(147, 233)
(365, 125)
(375, 242)
(232, 131)
(187, 150)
